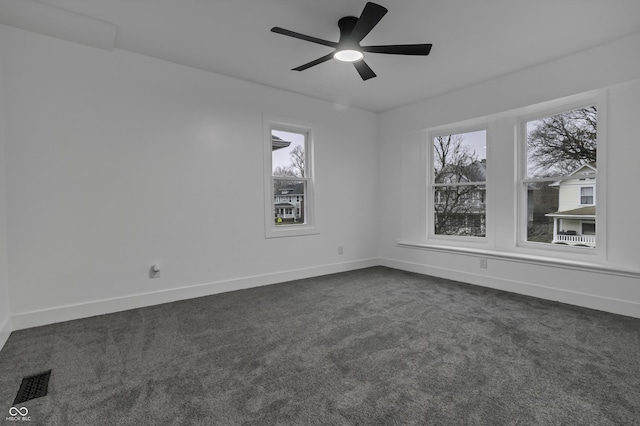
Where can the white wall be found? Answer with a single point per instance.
(5, 319)
(615, 67)
(116, 161)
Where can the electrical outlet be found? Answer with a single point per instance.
(483, 262)
(154, 271)
(340, 249)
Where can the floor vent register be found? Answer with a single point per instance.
(33, 387)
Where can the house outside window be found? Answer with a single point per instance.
(288, 184)
(458, 184)
(559, 176)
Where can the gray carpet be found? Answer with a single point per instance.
(372, 347)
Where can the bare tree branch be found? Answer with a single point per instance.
(297, 160)
(284, 171)
(561, 143)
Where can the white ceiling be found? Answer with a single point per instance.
(473, 40)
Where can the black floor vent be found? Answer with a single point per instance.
(33, 387)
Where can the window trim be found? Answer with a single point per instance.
(310, 227)
(595, 98)
(454, 129)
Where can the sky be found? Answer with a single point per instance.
(476, 141)
(281, 157)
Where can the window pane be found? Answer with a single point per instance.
(550, 220)
(460, 157)
(560, 144)
(542, 199)
(288, 201)
(460, 210)
(565, 146)
(588, 229)
(287, 153)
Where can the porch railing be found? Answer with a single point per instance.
(575, 239)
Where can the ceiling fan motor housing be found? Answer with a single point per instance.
(346, 26)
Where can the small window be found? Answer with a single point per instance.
(288, 160)
(559, 177)
(587, 195)
(458, 188)
(589, 228)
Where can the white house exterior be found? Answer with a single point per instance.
(575, 221)
(289, 203)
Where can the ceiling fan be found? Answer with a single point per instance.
(352, 31)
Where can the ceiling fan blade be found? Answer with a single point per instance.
(304, 37)
(371, 15)
(314, 63)
(400, 49)
(364, 70)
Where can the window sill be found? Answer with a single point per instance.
(525, 258)
(291, 231)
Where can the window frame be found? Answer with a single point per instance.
(309, 227)
(432, 185)
(597, 99)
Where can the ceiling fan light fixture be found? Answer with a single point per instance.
(348, 49)
(348, 55)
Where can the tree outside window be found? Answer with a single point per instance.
(459, 188)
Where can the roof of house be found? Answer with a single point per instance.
(581, 212)
(473, 172)
(585, 171)
(295, 189)
(278, 143)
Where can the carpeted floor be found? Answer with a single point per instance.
(372, 347)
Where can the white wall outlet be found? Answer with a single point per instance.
(154, 271)
(483, 262)
(340, 249)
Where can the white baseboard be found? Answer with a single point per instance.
(100, 307)
(107, 306)
(5, 331)
(616, 306)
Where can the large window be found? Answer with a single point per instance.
(558, 179)
(288, 184)
(458, 184)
